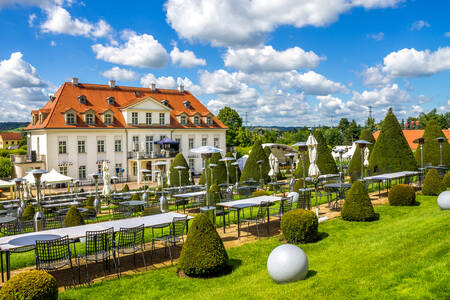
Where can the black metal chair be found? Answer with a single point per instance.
(257, 219)
(54, 222)
(98, 246)
(129, 241)
(121, 211)
(54, 254)
(285, 206)
(171, 238)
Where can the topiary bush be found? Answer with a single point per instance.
(90, 203)
(354, 168)
(357, 205)
(431, 151)
(148, 211)
(179, 160)
(28, 213)
(136, 197)
(30, 285)
(298, 185)
(432, 185)
(232, 169)
(446, 180)
(125, 188)
(402, 195)
(325, 161)
(251, 169)
(259, 193)
(300, 226)
(214, 196)
(203, 254)
(299, 172)
(73, 217)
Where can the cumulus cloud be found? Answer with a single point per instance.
(186, 58)
(329, 104)
(376, 36)
(312, 83)
(387, 96)
(374, 77)
(267, 59)
(221, 82)
(142, 51)
(419, 25)
(169, 82)
(31, 19)
(117, 73)
(39, 3)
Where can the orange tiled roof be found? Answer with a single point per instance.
(16, 136)
(67, 98)
(412, 134)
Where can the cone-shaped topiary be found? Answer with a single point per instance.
(90, 203)
(431, 151)
(432, 185)
(402, 194)
(232, 169)
(214, 194)
(125, 188)
(28, 213)
(446, 180)
(219, 172)
(354, 168)
(300, 226)
(32, 285)
(325, 160)
(299, 172)
(391, 152)
(298, 185)
(73, 217)
(203, 253)
(136, 197)
(357, 205)
(267, 151)
(179, 160)
(252, 169)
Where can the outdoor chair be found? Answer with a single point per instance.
(90, 216)
(129, 241)
(257, 219)
(121, 211)
(54, 254)
(54, 222)
(18, 227)
(98, 246)
(171, 238)
(285, 206)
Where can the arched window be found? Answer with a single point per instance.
(196, 120)
(108, 119)
(70, 119)
(183, 120)
(90, 119)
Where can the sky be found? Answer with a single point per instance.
(284, 62)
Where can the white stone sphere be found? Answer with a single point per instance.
(443, 200)
(287, 263)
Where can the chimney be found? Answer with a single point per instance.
(75, 81)
(153, 87)
(112, 83)
(181, 88)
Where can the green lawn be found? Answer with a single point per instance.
(406, 254)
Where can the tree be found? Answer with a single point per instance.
(325, 160)
(354, 168)
(431, 151)
(353, 131)
(441, 119)
(219, 173)
(343, 124)
(252, 169)
(334, 137)
(370, 123)
(233, 121)
(391, 152)
(244, 137)
(179, 160)
(6, 167)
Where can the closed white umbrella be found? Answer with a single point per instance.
(366, 157)
(106, 180)
(168, 176)
(273, 162)
(313, 170)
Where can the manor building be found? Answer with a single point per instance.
(130, 128)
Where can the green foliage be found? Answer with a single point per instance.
(232, 169)
(402, 195)
(259, 193)
(267, 151)
(446, 180)
(203, 253)
(432, 185)
(325, 160)
(90, 203)
(136, 197)
(125, 188)
(179, 160)
(354, 168)
(431, 151)
(214, 196)
(233, 121)
(30, 285)
(28, 213)
(6, 153)
(442, 119)
(300, 226)
(298, 185)
(334, 136)
(149, 211)
(252, 169)
(6, 167)
(73, 217)
(357, 205)
(219, 172)
(391, 152)
(299, 172)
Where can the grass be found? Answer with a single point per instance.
(405, 254)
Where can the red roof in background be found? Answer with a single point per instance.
(16, 136)
(67, 97)
(412, 134)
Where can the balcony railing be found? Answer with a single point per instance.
(24, 158)
(149, 155)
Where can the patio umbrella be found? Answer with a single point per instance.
(313, 171)
(106, 180)
(366, 157)
(273, 162)
(168, 176)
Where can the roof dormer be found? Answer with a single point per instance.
(165, 102)
(187, 104)
(82, 99)
(111, 100)
(183, 119)
(197, 119)
(89, 117)
(107, 117)
(70, 116)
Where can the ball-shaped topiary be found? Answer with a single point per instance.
(179, 160)
(325, 161)
(28, 213)
(30, 285)
(354, 168)
(259, 193)
(357, 204)
(432, 185)
(125, 188)
(300, 226)
(73, 217)
(402, 194)
(203, 253)
(446, 180)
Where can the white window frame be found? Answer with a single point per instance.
(70, 118)
(90, 119)
(81, 144)
(134, 118)
(100, 146)
(191, 143)
(117, 145)
(82, 172)
(109, 119)
(162, 119)
(135, 143)
(148, 118)
(62, 147)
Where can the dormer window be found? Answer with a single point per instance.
(165, 102)
(90, 119)
(108, 118)
(40, 118)
(209, 120)
(70, 118)
(183, 120)
(33, 119)
(196, 120)
(111, 100)
(82, 99)
(187, 104)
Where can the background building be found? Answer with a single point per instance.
(10, 139)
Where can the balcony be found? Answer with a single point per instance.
(152, 155)
(24, 158)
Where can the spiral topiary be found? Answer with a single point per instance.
(73, 217)
(432, 185)
(300, 226)
(203, 254)
(28, 213)
(357, 205)
(446, 180)
(30, 285)
(402, 194)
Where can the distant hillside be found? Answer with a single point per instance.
(12, 126)
(279, 128)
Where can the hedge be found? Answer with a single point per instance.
(325, 161)
(179, 160)
(252, 169)
(431, 151)
(432, 185)
(300, 226)
(357, 204)
(354, 168)
(402, 195)
(30, 285)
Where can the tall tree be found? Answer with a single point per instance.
(251, 169)
(431, 151)
(233, 121)
(325, 160)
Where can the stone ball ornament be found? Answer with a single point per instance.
(443, 200)
(287, 263)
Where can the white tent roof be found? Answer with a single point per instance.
(279, 150)
(51, 177)
(5, 183)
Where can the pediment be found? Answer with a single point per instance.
(148, 103)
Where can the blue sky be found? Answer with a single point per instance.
(284, 62)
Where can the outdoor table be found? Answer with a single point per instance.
(64, 211)
(139, 204)
(3, 211)
(304, 198)
(250, 188)
(277, 185)
(388, 177)
(249, 202)
(61, 204)
(340, 187)
(7, 219)
(9, 243)
(185, 198)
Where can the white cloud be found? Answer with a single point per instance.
(161, 82)
(117, 73)
(27, 3)
(221, 82)
(186, 58)
(17, 73)
(190, 86)
(329, 104)
(246, 22)
(53, 43)
(374, 77)
(312, 83)
(138, 51)
(419, 25)
(376, 36)
(31, 19)
(387, 96)
(447, 34)
(414, 63)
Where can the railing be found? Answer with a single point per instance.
(24, 158)
(145, 155)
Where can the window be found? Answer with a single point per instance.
(100, 168)
(62, 147)
(135, 143)
(191, 143)
(149, 144)
(70, 118)
(63, 170)
(90, 119)
(82, 146)
(204, 141)
(82, 172)
(7, 142)
(118, 145)
(134, 118)
(162, 119)
(148, 118)
(118, 167)
(196, 120)
(209, 120)
(162, 137)
(100, 146)
(178, 140)
(108, 119)
(216, 142)
(134, 168)
(183, 120)
(191, 164)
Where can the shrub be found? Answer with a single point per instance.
(148, 211)
(432, 185)
(90, 203)
(136, 197)
(357, 205)
(251, 168)
(214, 194)
(6, 167)
(1, 206)
(30, 285)
(298, 185)
(28, 213)
(125, 188)
(73, 217)
(179, 160)
(219, 172)
(203, 253)
(299, 172)
(260, 193)
(391, 152)
(300, 226)
(402, 194)
(232, 169)
(431, 151)
(325, 160)
(354, 168)
(446, 180)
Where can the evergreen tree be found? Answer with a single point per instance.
(252, 169)
(354, 168)
(179, 160)
(299, 172)
(232, 169)
(219, 172)
(431, 152)
(325, 160)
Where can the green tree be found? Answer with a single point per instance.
(179, 160)
(6, 167)
(219, 172)
(244, 137)
(391, 152)
(334, 137)
(233, 121)
(354, 168)
(431, 151)
(441, 119)
(251, 169)
(325, 160)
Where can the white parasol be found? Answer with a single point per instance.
(366, 156)
(313, 171)
(168, 176)
(273, 162)
(106, 180)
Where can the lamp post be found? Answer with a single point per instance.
(290, 157)
(19, 184)
(302, 147)
(39, 217)
(420, 141)
(179, 169)
(340, 152)
(97, 202)
(441, 142)
(261, 180)
(163, 202)
(236, 166)
(226, 160)
(144, 194)
(362, 145)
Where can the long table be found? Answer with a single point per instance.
(249, 202)
(12, 242)
(185, 198)
(388, 177)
